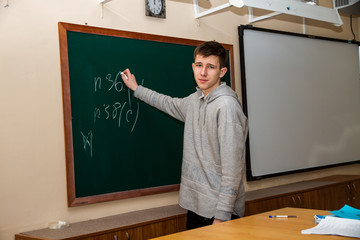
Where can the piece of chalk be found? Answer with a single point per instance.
(124, 75)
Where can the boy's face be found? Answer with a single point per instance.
(207, 72)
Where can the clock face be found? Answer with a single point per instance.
(155, 6)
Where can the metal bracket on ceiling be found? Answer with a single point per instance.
(291, 7)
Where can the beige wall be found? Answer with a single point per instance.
(32, 160)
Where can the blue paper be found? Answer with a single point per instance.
(318, 218)
(347, 212)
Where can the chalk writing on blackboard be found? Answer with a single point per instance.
(120, 112)
(87, 141)
(116, 111)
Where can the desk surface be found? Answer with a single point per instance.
(260, 227)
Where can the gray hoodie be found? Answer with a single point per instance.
(215, 132)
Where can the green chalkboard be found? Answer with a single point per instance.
(117, 146)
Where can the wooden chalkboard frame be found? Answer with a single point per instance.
(65, 77)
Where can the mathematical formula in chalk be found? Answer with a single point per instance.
(119, 112)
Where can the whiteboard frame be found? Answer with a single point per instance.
(249, 147)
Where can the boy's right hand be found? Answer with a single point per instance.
(129, 79)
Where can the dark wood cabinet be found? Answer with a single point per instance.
(329, 193)
(326, 198)
(272, 203)
(354, 188)
(145, 231)
(345, 190)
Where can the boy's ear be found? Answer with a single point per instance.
(223, 71)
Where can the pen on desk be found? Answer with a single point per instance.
(282, 216)
(124, 75)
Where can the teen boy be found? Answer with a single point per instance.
(212, 188)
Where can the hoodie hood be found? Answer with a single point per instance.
(221, 90)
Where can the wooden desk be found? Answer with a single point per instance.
(260, 227)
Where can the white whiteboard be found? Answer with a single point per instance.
(302, 99)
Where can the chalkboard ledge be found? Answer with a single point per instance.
(107, 224)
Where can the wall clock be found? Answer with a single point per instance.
(155, 8)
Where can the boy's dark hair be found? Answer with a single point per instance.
(207, 49)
